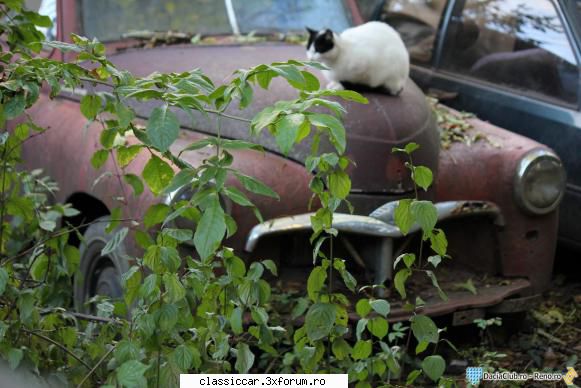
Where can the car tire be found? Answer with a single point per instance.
(98, 274)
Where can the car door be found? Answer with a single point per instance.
(512, 62)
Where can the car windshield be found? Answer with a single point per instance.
(110, 19)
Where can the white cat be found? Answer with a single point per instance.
(371, 54)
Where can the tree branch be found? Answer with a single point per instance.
(57, 344)
(96, 366)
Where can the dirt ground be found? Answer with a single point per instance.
(545, 338)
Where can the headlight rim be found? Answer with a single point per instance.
(525, 163)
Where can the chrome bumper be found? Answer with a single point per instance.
(380, 223)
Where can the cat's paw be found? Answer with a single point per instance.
(334, 85)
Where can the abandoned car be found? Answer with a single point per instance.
(497, 196)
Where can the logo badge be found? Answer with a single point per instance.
(569, 376)
(474, 375)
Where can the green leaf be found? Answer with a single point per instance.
(361, 325)
(157, 174)
(319, 320)
(131, 374)
(287, 129)
(380, 306)
(180, 235)
(182, 178)
(412, 376)
(425, 329)
(14, 357)
(271, 266)
(244, 358)
(439, 242)
(422, 176)
(435, 283)
(174, 288)
(3, 280)
(126, 350)
(237, 196)
(255, 186)
(421, 347)
(135, 182)
(290, 73)
(236, 321)
(361, 350)
(339, 184)
(311, 82)
(403, 217)
(411, 147)
(399, 281)
(435, 260)
(350, 95)
(341, 348)
(263, 119)
(155, 214)
(131, 281)
(299, 309)
(167, 317)
(115, 241)
(25, 305)
(467, 285)
(163, 128)
(378, 327)
(425, 214)
(255, 271)
(99, 158)
(408, 259)
(433, 367)
(14, 107)
(90, 106)
(183, 356)
(337, 131)
(363, 307)
(316, 282)
(126, 154)
(211, 229)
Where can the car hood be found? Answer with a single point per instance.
(372, 129)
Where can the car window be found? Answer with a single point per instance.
(290, 15)
(417, 22)
(520, 44)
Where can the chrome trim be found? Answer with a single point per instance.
(521, 170)
(379, 223)
(446, 210)
(301, 222)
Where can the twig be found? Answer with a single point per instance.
(59, 345)
(551, 337)
(60, 233)
(96, 366)
(220, 113)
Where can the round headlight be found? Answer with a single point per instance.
(539, 182)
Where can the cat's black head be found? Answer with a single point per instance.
(322, 41)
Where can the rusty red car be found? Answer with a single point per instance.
(497, 196)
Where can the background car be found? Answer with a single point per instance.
(501, 236)
(514, 63)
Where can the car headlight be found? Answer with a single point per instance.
(539, 182)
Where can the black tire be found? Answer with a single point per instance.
(98, 274)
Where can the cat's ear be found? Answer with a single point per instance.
(311, 31)
(328, 35)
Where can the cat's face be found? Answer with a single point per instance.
(320, 45)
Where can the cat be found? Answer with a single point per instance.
(372, 54)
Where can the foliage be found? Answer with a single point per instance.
(205, 312)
